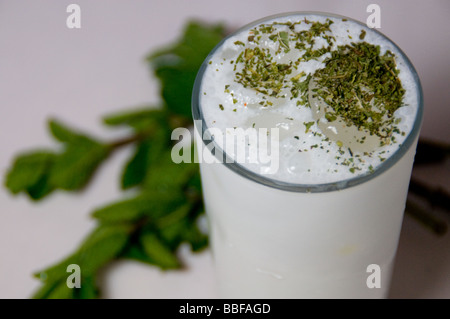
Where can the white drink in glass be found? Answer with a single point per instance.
(321, 225)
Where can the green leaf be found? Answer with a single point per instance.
(39, 173)
(136, 168)
(102, 246)
(45, 290)
(168, 176)
(52, 276)
(88, 288)
(193, 188)
(177, 66)
(41, 189)
(151, 204)
(148, 152)
(124, 211)
(174, 216)
(159, 252)
(196, 182)
(151, 226)
(140, 119)
(172, 225)
(29, 169)
(137, 253)
(62, 133)
(61, 291)
(173, 234)
(74, 168)
(181, 226)
(195, 237)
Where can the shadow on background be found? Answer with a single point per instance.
(422, 263)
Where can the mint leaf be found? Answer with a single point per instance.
(28, 170)
(152, 140)
(195, 237)
(64, 134)
(172, 225)
(52, 276)
(61, 291)
(41, 189)
(177, 66)
(136, 168)
(88, 289)
(163, 213)
(124, 211)
(148, 152)
(39, 173)
(151, 204)
(73, 169)
(193, 187)
(167, 175)
(103, 245)
(158, 251)
(137, 253)
(45, 290)
(140, 119)
(56, 272)
(181, 226)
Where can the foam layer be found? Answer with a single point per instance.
(306, 156)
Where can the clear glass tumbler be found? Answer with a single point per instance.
(272, 239)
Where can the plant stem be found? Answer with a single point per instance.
(130, 139)
(174, 122)
(125, 141)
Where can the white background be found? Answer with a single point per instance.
(78, 75)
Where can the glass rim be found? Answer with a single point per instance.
(309, 188)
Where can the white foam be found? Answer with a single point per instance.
(300, 161)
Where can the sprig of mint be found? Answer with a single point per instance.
(163, 212)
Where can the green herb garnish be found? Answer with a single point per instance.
(308, 125)
(362, 35)
(362, 87)
(162, 212)
(258, 68)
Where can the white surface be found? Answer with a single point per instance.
(48, 70)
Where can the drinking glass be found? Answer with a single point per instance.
(272, 239)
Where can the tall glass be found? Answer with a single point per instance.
(272, 239)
